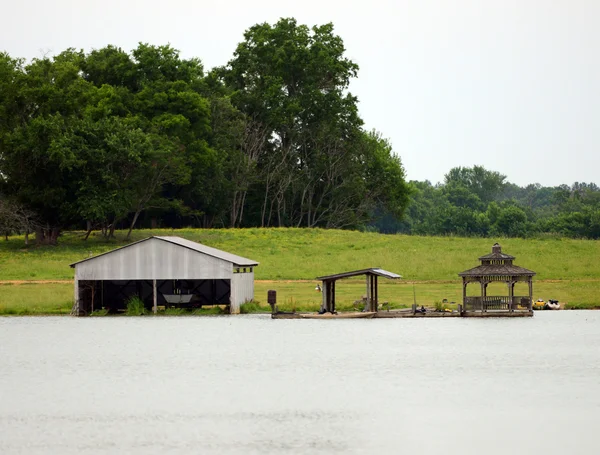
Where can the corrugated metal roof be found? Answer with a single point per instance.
(229, 257)
(214, 252)
(373, 271)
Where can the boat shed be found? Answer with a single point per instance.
(163, 271)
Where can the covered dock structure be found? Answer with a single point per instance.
(163, 271)
(497, 267)
(372, 294)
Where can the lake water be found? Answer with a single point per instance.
(252, 385)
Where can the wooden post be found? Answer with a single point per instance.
(368, 305)
(154, 297)
(324, 292)
(483, 291)
(530, 283)
(376, 288)
(464, 292)
(511, 291)
(333, 296)
(372, 293)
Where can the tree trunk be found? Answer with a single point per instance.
(39, 235)
(54, 233)
(135, 217)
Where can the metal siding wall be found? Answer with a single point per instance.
(154, 259)
(75, 308)
(242, 289)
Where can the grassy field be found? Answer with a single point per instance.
(296, 254)
(568, 270)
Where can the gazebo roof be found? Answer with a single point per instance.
(497, 270)
(497, 264)
(496, 256)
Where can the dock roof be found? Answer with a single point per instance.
(372, 271)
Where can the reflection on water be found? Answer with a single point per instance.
(247, 384)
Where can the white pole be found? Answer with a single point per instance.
(155, 297)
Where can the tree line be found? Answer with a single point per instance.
(111, 139)
(474, 201)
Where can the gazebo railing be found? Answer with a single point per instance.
(503, 303)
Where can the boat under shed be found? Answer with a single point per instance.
(163, 271)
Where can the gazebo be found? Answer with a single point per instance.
(497, 267)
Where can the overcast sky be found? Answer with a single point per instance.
(511, 85)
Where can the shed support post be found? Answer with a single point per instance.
(530, 283)
(511, 292)
(154, 298)
(324, 294)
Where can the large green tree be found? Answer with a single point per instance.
(293, 81)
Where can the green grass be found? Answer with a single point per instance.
(567, 269)
(293, 254)
(36, 299)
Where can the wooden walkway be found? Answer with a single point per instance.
(408, 313)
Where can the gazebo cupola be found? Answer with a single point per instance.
(497, 267)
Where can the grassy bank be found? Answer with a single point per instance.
(296, 254)
(56, 298)
(567, 269)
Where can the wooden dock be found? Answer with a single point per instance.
(408, 313)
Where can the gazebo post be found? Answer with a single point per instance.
(511, 293)
(483, 306)
(464, 293)
(483, 291)
(530, 283)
